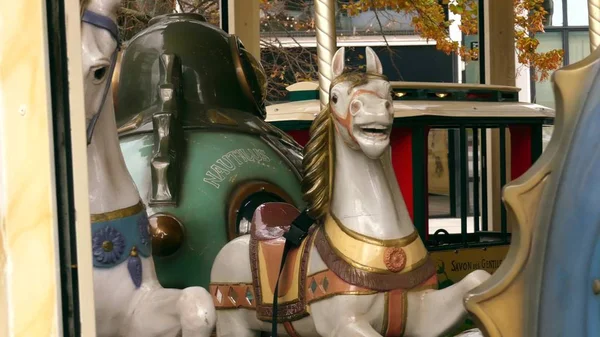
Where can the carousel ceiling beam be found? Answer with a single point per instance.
(244, 21)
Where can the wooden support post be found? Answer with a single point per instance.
(244, 21)
(500, 69)
(29, 252)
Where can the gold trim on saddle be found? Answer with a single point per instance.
(374, 255)
(118, 214)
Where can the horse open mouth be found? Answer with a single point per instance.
(376, 131)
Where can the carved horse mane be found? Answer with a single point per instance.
(319, 152)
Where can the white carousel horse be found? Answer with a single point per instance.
(362, 270)
(129, 300)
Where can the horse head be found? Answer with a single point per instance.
(361, 105)
(100, 43)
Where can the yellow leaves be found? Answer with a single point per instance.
(430, 23)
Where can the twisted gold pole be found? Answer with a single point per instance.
(326, 45)
(594, 21)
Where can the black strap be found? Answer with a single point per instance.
(293, 239)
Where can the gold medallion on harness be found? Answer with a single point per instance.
(394, 259)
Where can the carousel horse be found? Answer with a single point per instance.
(362, 270)
(129, 300)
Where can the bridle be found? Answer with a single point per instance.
(106, 23)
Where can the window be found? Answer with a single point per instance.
(567, 29)
(296, 18)
(579, 46)
(577, 12)
(543, 90)
(555, 8)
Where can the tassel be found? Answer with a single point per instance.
(134, 265)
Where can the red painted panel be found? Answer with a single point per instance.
(300, 136)
(401, 142)
(520, 150)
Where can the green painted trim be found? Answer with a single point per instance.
(303, 95)
(452, 171)
(457, 122)
(435, 121)
(537, 142)
(476, 210)
(292, 125)
(484, 180)
(464, 173)
(462, 95)
(503, 224)
(419, 160)
(465, 95)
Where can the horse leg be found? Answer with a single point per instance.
(233, 323)
(436, 312)
(348, 315)
(155, 314)
(359, 328)
(197, 313)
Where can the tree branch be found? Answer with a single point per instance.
(143, 17)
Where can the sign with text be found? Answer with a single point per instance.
(453, 265)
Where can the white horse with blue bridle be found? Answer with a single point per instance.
(129, 300)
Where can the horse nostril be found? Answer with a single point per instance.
(355, 107)
(388, 105)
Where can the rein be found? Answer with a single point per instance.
(106, 23)
(293, 239)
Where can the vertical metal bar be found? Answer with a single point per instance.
(224, 15)
(537, 142)
(476, 179)
(481, 39)
(61, 126)
(419, 158)
(503, 179)
(484, 181)
(452, 171)
(464, 183)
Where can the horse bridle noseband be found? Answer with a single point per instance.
(106, 23)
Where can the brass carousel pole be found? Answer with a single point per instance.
(326, 45)
(594, 22)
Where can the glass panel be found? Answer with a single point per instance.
(577, 12)
(444, 183)
(555, 8)
(438, 173)
(296, 18)
(472, 67)
(579, 46)
(366, 23)
(543, 90)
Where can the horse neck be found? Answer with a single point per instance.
(366, 196)
(110, 184)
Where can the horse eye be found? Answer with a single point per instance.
(334, 99)
(100, 72)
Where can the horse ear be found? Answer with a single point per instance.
(373, 63)
(338, 62)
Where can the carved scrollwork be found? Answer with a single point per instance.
(167, 132)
